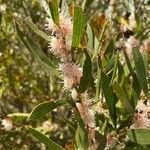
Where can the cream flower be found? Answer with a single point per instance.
(7, 123)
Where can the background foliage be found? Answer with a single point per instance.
(25, 81)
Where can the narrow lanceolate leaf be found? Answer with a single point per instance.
(87, 74)
(78, 26)
(114, 69)
(81, 139)
(125, 123)
(71, 125)
(138, 23)
(140, 136)
(100, 39)
(37, 53)
(18, 115)
(44, 108)
(53, 5)
(140, 70)
(35, 29)
(123, 97)
(128, 63)
(107, 90)
(51, 145)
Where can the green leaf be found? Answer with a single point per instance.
(110, 47)
(125, 123)
(109, 66)
(18, 115)
(33, 27)
(81, 138)
(108, 93)
(90, 37)
(45, 107)
(140, 70)
(77, 116)
(120, 92)
(101, 140)
(51, 145)
(87, 74)
(114, 69)
(140, 136)
(100, 39)
(128, 63)
(136, 87)
(78, 26)
(121, 75)
(53, 4)
(138, 23)
(2, 89)
(71, 125)
(38, 54)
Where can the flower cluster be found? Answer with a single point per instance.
(72, 74)
(87, 114)
(65, 25)
(60, 46)
(141, 116)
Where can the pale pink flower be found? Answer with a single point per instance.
(86, 112)
(72, 74)
(51, 26)
(68, 83)
(57, 44)
(141, 117)
(59, 48)
(140, 121)
(87, 115)
(65, 25)
(141, 107)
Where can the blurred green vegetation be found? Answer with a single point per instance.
(24, 83)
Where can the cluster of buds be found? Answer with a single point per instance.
(60, 46)
(141, 116)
